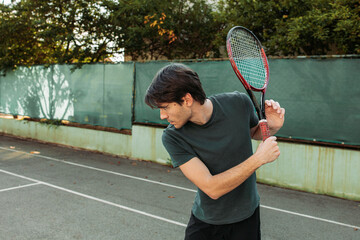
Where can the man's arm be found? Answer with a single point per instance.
(218, 185)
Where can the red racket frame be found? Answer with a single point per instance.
(260, 110)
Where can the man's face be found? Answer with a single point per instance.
(175, 113)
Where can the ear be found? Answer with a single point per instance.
(188, 100)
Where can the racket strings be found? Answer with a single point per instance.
(248, 58)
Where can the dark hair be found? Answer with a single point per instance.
(172, 83)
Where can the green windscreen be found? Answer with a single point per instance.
(95, 94)
(320, 95)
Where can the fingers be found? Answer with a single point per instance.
(282, 114)
(273, 147)
(269, 143)
(271, 138)
(268, 151)
(273, 104)
(276, 106)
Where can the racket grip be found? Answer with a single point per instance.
(264, 127)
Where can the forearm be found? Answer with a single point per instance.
(217, 185)
(223, 183)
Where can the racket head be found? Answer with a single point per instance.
(248, 58)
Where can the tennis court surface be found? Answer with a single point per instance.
(54, 192)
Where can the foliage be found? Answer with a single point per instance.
(151, 29)
(293, 27)
(85, 31)
(46, 32)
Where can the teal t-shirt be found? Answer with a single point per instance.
(222, 143)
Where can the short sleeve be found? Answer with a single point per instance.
(179, 150)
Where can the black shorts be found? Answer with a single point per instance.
(248, 229)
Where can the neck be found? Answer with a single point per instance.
(201, 114)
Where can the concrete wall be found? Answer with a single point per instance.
(317, 169)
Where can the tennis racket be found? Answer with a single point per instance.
(250, 64)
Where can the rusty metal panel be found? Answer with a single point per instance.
(324, 170)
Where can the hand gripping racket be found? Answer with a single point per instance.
(250, 64)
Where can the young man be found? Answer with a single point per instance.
(210, 140)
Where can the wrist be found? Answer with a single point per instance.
(258, 160)
(273, 130)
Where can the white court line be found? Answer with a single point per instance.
(97, 199)
(103, 170)
(22, 186)
(311, 217)
(182, 188)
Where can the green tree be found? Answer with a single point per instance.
(18, 42)
(197, 26)
(327, 27)
(86, 31)
(293, 27)
(152, 29)
(46, 32)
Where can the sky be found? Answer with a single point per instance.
(6, 1)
